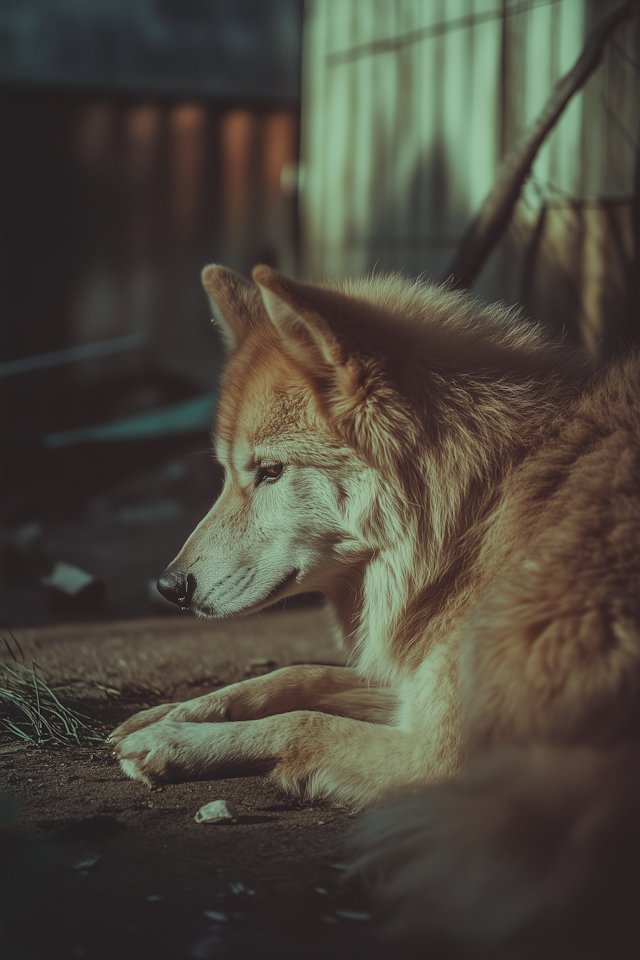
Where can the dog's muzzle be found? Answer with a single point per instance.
(177, 588)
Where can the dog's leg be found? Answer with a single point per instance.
(312, 753)
(336, 690)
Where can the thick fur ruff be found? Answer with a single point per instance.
(466, 494)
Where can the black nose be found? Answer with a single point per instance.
(177, 588)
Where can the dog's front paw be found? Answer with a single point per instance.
(155, 754)
(175, 751)
(140, 720)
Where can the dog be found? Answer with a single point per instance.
(465, 492)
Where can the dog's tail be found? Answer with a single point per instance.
(529, 850)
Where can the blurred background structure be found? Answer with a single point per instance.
(141, 139)
(410, 107)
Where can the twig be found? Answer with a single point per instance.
(4, 640)
(488, 226)
(427, 33)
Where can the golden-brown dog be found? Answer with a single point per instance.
(466, 494)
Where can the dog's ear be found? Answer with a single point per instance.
(230, 296)
(313, 325)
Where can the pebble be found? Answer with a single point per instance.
(217, 811)
(216, 915)
(89, 861)
(352, 915)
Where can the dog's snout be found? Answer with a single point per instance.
(177, 587)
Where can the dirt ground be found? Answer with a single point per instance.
(92, 865)
(97, 867)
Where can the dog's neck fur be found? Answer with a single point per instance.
(442, 398)
(451, 490)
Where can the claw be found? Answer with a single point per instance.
(130, 768)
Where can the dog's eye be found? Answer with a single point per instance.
(268, 472)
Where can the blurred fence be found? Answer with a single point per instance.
(113, 204)
(408, 110)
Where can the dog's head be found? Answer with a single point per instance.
(306, 417)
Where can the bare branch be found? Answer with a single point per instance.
(488, 226)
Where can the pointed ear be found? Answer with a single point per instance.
(310, 321)
(232, 302)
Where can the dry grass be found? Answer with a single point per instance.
(30, 710)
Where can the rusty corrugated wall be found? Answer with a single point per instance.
(408, 109)
(113, 205)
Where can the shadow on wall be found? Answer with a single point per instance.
(418, 231)
(418, 228)
(580, 272)
(570, 265)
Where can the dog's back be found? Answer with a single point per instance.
(536, 846)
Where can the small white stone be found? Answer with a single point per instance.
(352, 915)
(89, 861)
(218, 811)
(216, 916)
